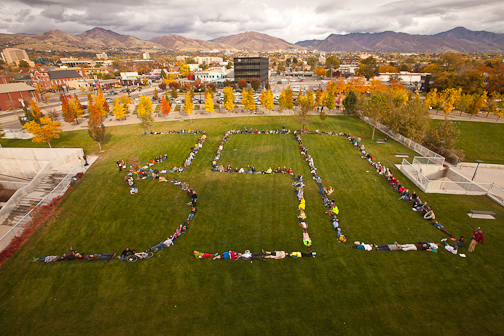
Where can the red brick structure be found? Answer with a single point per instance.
(47, 79)
(13, 95)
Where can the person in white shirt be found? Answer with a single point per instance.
(452, 249)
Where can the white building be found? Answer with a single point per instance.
(407, 78)
(207, 59)
(145, 56)
(216, 75)
(102, 56)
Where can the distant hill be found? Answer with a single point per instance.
(107, 38)
(458, 39)
(253, 41)
(177, 42)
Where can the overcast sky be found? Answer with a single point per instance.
(291, 20)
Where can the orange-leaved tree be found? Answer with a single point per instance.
(96, 129)
(165, 106)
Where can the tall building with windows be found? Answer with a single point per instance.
(13, 55)
(250, 67)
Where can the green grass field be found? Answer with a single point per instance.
(342, 291)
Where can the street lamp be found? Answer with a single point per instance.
(479, 161)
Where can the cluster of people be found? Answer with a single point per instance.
(250, 170)
(332, 208)
(423, 208)
(74, 255)
(249, 256)
(420, 246)
(190, 131)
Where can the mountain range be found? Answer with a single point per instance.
(458, 40)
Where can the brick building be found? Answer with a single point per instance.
(47, 79)
(14, 95)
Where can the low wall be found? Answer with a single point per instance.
(27, 162)
(63, 158)
(482, 165)
(11, 185)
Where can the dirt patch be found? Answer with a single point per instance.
(5, 194)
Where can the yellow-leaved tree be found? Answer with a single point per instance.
(76, 108)
(209, 103)
(339, 85)
(118, 109)
(188, 105)
(184, 69)
(228, 98)
(144, 112)
(268, 100)
(451, 96)
(248, 100)
(45, 131)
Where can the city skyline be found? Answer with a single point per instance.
(291, 21)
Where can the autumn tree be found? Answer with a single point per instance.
(76, 108)
(255, 83)
(318, 98)
(155, 95)
(267, 101)
(32, 114)
(209, 103)
(66, 110)
(443, 137)
(144, 111)
(323, 116)
(338, 84)
(229, 98)
(248, 100)
(242, 83)
(330, 100)
(118, 109)
(165, 106)
(376, 107)
(184, 69)
(282, 103)
(450, 97)
(305, 106)
(125, 100)
(320, 72)
(289, 98)
(367, 67)
(96, 129)
(333, 62)
(477, 103)
(188, 105)
(350, 102)
(43, 131)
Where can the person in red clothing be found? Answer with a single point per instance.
(478, 236)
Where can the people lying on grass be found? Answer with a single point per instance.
(119, 165)
(229, 169)
(228, 255)
(405, 195)
(247, 255)
(185, 186)
(302, 215)
(133, 190)
(303, 225)
(335, 222)
(302, 204)
(329, 191)
(417, 206)
(460, 242)
(268, 171)
(98, 256)
(202, 255)
(236, 170)
(306, 240)
(298, 184)
(276, 254)
(124, 255)
(252, 170)
(299, 178)
(302, 255)
(241, 171)
(300, 193)
(284, 170)
(340, 236)
(183, 227)
(362, 246)
(430, 215)
(401, 189)
(277, 171)
(414, 196)
(162, 245)
(420, 246)
(334, 211)
(449, 248)
(397, 185)
(389, 247)
(46, 259)
(439, 226)
(70, 256)
(191, 215)
(289, 171)
(425, 208)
